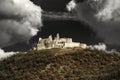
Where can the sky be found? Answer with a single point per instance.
(78, 30)
(52, 5)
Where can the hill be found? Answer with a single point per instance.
(61, 64)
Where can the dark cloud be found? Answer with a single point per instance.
(103, 16)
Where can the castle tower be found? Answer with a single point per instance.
(57, 36)
(50, 37)
(40, 39)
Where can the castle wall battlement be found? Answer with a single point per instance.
(57, 42)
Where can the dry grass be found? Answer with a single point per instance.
(61, 64)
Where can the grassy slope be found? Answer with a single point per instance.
(61, 64)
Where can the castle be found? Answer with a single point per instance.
(57, 42)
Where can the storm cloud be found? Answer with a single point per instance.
(103, 16)
(19, 21)
(4, 55)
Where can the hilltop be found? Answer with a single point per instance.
(61, 64)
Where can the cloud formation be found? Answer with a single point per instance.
(71, 5)
(100, 46)
(19, 21)
(103, 16)
(4, 55)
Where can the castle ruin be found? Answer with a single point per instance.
(57, 42)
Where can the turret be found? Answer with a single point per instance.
(57, 36)
(50, 37)
(40, 39)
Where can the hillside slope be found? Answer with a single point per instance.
(61, 64)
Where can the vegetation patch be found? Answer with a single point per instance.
(61, 64)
